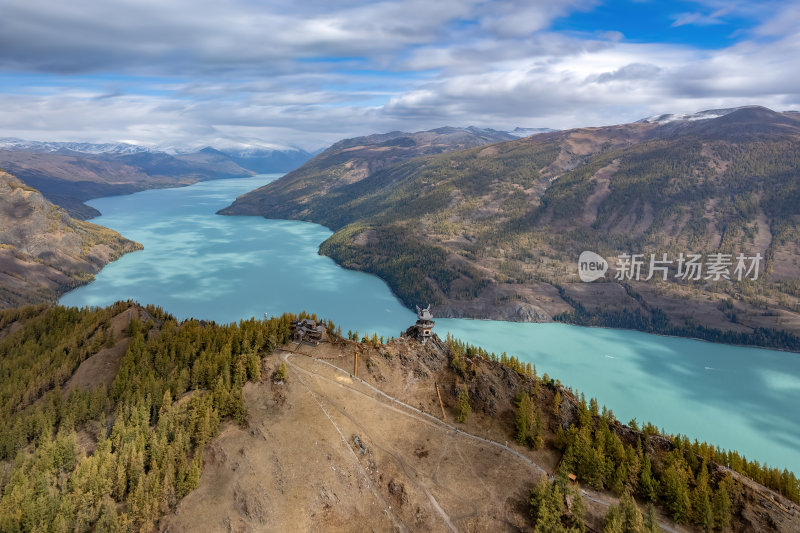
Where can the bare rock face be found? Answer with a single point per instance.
(398, 491)
(43, 251)
(529, 313)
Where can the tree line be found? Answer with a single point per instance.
(656, 321)
(685, 478)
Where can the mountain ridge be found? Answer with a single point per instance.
(351, 160)
(243, 429)
(69, 173)
(43, 251)
(495, 231)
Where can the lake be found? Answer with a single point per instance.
(199, 264)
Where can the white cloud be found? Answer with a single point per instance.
(151, 36)
(700, 19)
(193, 74)
(514, 18)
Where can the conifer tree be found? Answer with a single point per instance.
(529, 426)
(648, 486)
(464, 408)
(280, 374)
(613, 521)
(557, 403)
(701, 500)
(721, 504)
(651, 520)
(632, 520)
(675, 487)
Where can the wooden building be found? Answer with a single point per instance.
(308, 331)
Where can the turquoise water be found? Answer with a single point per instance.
(198, 264)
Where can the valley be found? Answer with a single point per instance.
(250, 475)
(357, 458)
(228, 269)
(399, 266)
(69, 174)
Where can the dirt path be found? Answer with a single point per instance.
(354, 384)
(324, 451)
(315, 373)
(416, 413)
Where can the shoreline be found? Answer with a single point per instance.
(449, 315)
(551, 321)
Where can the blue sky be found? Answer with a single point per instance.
(191, 73)
(694, 24)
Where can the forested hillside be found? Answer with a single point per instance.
(43, 251)
(107, 413)
(496, 231)
(119, 450)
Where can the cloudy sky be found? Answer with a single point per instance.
(191, 72)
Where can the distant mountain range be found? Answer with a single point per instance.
(71, 147)
(70, 173)
(266, 161)
(495, 230)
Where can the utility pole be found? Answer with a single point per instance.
(356, 371)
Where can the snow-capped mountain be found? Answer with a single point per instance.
(68, 173)
(78, 147)
(266, 158)
(690, 117)
(527, 132)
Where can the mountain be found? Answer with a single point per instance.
(43, 251)
(527, 132)
(70, 173)
(70, 179)
(690, 117)
(351, 160)
(70, 147)
(241, 429)
(496, 231)
(254, 158)
(267, 161)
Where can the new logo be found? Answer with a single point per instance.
(591, 266)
